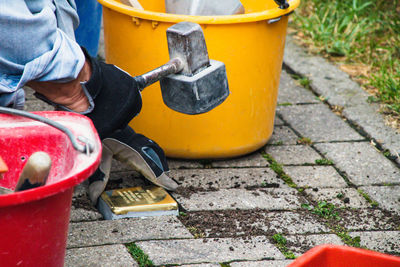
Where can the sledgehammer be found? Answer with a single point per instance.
(190, 82)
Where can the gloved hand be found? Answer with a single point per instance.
(113, 95)
(139, 153)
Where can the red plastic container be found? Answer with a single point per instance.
(34, 223)
(342, 256)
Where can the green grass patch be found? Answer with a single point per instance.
(224, 264)
(280, 242)
(323, 162)
(141, 258)
(346, 238)
(368, 198)
(363, 36)
(284, 104)
(304, 141)
(323, 209)
(278, 169)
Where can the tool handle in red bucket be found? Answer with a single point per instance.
(87, 146)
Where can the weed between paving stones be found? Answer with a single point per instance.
(141, 258)
(280, 242)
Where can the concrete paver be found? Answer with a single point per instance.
(209, 250)
(98, 233)
(283, 135)
(270, 263)
(291, 93)
(253, 160)
(361, 163)
(388, 197)
(271, 199)
(227, 178)
(385, 242)
(371, 219)
(300, 244)
(99, 256)
(324, 125)
(340, 197)
(293, 155)
(315, 176)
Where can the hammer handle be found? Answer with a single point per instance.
(171, 67)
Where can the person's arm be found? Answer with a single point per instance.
(37, 52)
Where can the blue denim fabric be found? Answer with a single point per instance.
(37, 43)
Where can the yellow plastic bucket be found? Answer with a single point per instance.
(251, 46)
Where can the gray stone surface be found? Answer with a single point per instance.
(373, 123)
(318, 123)
(98, 233)
(184, 164)
(37, 105)
(388, 197)
(283, 135)
(270, 263)
(361, 163)
(291, 92)
(100, 256)
(326, 79)
(315, 176)
(270, 199)
(227, 178)
(293, 155)
(209, 250)
(253, 160)
(278, 121)
(385, 242)
(81, 215)
(299, 244)
(299, 222)
(201, 265)
(349, 197)
(369, 220)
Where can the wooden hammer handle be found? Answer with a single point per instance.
(35, 171)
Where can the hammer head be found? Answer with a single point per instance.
(202, 84)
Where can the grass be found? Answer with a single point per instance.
(373, 203)
(141, 258)
(324, 162)
(280, 242)
(363, 36)
(323, 209)
(278, 169)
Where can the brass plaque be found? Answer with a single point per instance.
(139, 199)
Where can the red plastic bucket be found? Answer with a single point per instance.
(342, 256)
(34, 223)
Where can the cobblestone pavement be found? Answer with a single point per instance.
(329, 147)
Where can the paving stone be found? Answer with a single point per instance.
(318, 123)
(293, 155)
(350, 197)
(326, 78)
(283, 135)
(270, 263)
(369, 219)
(81, 215)
(368, 118)
(291, 92)
(99, 256)
(253, 160)
(385, 242)
(124, 231)
(388, 197)
(228, 178)
(315, 176)
(201, 265)
(37, 105)
(299, 222)
(299, 244)
(361, 163)
(184, 164)
(269, 199)
(29, 94)
(278, 121)
(209, 250)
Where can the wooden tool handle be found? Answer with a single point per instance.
(133, 3)
(35, 171)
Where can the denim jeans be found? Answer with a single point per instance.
(37, 43)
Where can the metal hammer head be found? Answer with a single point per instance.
(202, 84)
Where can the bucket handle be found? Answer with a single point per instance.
(88, 146)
